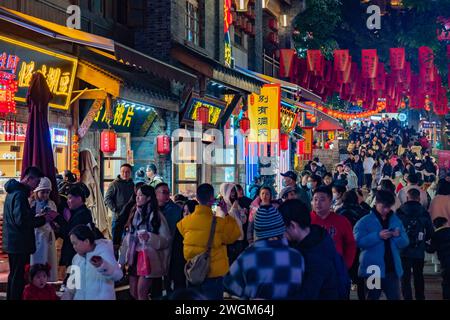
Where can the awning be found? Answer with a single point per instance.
(286, 86)
(118, 51)
(217, 72)
(135, 86)
(325, 125)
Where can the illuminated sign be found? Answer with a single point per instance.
(227, 21)
(20, 60)
(60, 136)
(215, 107)
(122, 117)
(264, 114)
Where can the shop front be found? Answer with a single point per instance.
(18, 61)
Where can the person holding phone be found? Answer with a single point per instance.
(45, 237)
(96, 268)
(381, 236)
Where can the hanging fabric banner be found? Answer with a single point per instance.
(264, 114)
(341, 60)
(397, 58)
(286, 62)
(314, 58)
(426, 58)
(369, 60)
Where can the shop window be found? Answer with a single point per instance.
(193, 26)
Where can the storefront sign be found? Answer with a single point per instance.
(308, 138)
(215, 107)
(87, 121)
(288, 120)
(227, 21)
(264, 114)
(20, 60)
(60, 136)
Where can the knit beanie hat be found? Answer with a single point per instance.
(268, 223)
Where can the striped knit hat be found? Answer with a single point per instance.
(268, 223)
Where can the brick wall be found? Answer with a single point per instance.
(154, 37)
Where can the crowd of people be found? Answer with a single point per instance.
(327, 231)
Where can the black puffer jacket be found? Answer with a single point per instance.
(440, 242)
(18, 220)
(415, 219)
(353, 212)
(83, 216)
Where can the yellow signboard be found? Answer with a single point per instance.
(214, 111)
(308, 136)
(20, 60)
(264, 114)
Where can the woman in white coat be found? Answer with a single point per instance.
(94, 268)
(45, 237)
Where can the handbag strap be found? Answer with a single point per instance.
(211, 234)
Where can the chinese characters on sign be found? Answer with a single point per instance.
(308, 140)
(227, 21)
(264, 114)
(20, 60)
(123, 115)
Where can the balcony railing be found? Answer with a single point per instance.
(271, 65)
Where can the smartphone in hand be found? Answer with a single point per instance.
(96, 260)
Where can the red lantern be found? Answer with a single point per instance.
(244, 124)
(300, 147)
(108, 141)
(163, 144)
(203, 114)
(284, 141)
(313, 120)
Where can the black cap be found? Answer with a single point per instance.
(290, 174)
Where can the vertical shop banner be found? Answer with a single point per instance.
(85, 125)
(264, 114)
(308, 140)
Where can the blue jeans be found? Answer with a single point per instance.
(211, 288)
(390, 285)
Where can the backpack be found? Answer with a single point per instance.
(344, 281)
(416, 231)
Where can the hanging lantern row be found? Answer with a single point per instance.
(75, 155)
(381, 105)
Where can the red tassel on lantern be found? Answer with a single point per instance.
(108, 141)
(163, 144)
(284, 142)
(203, 114)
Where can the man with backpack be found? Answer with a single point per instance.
(419, 228)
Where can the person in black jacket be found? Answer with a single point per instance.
(79, 214)
(18, 229)
(119, 192)
(353, 211)
(321, 279)
(419, 228)
(440, 242)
